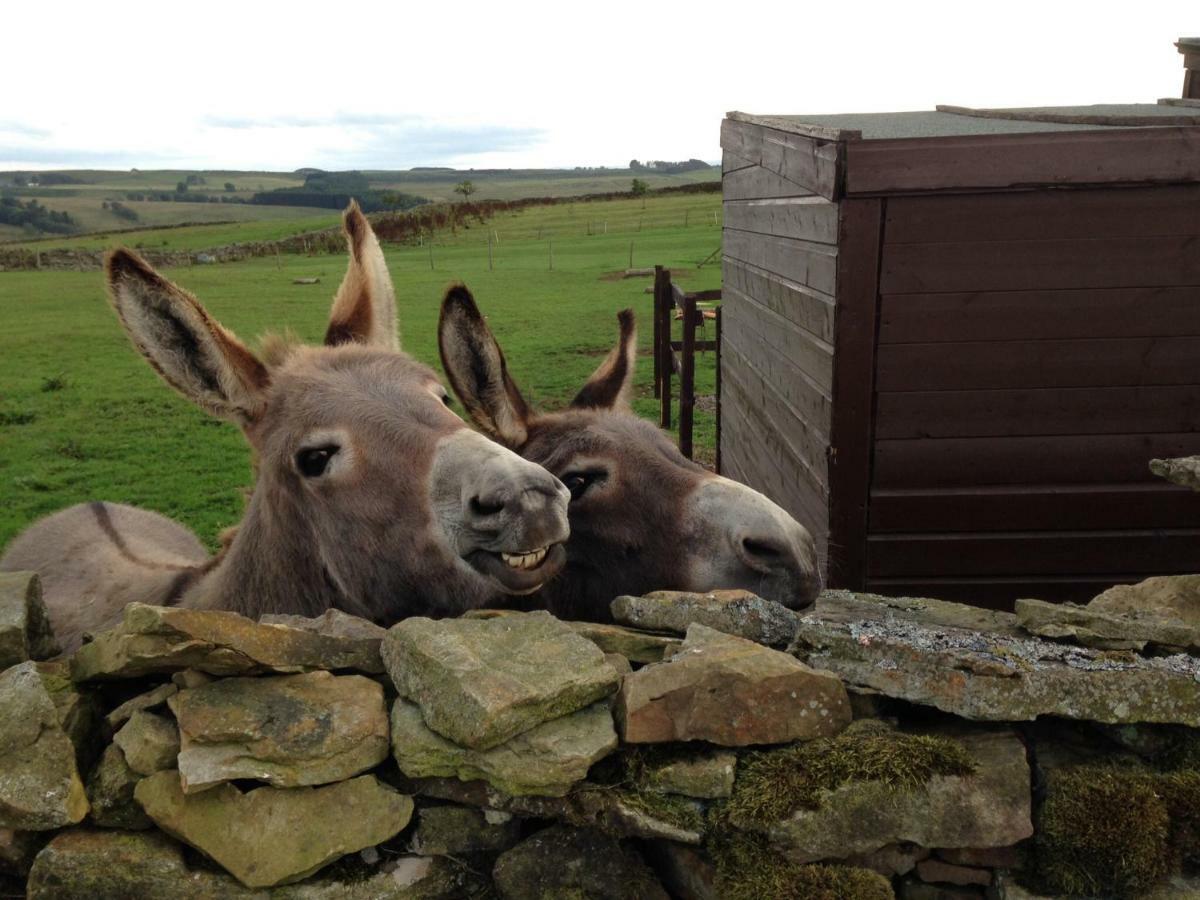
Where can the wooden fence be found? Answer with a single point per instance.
(669, 297)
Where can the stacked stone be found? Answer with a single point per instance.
(708, 745)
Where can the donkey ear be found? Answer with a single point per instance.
(191, 351)
(364, 310)
(612, 383)
(477, 371)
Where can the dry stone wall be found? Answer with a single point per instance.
(705, 746)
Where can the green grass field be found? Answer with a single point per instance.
(82, 417)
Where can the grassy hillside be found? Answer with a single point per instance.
(82, 417)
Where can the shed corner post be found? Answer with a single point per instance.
(860, 228)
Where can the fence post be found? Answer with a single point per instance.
(552, 255)
(664, 302)
(656, 319)
(631, 254)
(431, 253)
(489, 253)
(717, 341)
(687, 377)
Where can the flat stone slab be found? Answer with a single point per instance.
(480, 682)
(1184, 471)
(636, 646)
(903, 650)
(454, 830)
(286, 730)
(270, 836)
(707, 775)
(991, 808)
(110, 793)
(25, 631)
(733, 612)
(1095, 626)
(158, 639)
(149, 700)
(149, 742)
(729, 691)
(40, 787)
(364, 636)
(547, 760)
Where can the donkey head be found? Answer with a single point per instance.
(643, 517)
(371, 495)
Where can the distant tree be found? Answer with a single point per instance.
(230, 187)
(635, 166)
(466, 188)
(181, 187)
(639, 187)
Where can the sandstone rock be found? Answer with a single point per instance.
(988, 808)
(190, 678)
(1184, 471)
(684, 871)
(81, 864)
(894, 859)
(362, 635)
(729, 691)
(150, 742)
(40, 787)
(79, 711)
(902, 650)
(936, 870)
(635, 646)
(480, 682)
(25, 631)
(452, 830)
(619, 664)
(562, 861)
(154, 639)
(18, 849)
(287, 730)
(982, 857)
(600, 806)
(706, 775)
(734, 612)
(546, 760)
(149, 700)
(1094, 626)
(269, 836)
(110, 793)
(920, 890)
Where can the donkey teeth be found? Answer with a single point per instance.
(528, 560)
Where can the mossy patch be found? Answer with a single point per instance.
(1103, 829)
(748, 869)
(625, 773)
(773, 784)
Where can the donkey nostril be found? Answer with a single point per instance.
(484, 508)
(762, 550)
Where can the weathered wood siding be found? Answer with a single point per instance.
(780, 270)
(1035, 350)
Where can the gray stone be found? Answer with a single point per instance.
(270, 836)
(190, 678)
(110, 793)
(149, 700)
(1095, 626)
(684, 871)
(480, 682)
(18, 849)
(982, 857)
(990, 808)
(902, 650)
(158, 639)
(40, 788)
(81, 864)
(362, 635)
(562, 861)
(453, 830)
(1183, 471)
(734, 612)
(80, 713)
(891, 860)
(940, 871)
(25, 631)
(150, 742)
(635, 646)
(707, 775)
(547, 760)
(286, 730)
(729, 691)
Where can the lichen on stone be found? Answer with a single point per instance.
(772, 784)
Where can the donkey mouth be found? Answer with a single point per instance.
(520, 572)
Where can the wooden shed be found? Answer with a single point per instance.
(953, 340)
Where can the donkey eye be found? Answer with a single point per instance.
(313, 461)
(448, 400)
(579, 482)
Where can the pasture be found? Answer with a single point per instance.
(82, 417)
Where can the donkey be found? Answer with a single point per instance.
(642, 516)
(371, 495)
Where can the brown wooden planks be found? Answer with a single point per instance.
(799, 304)
(1024, 315)
(1032, 265)
(854, 365)
(1001, 413)
(803, 218)
(1045, 214)
(982, 365)
(1034, 508)
(751, 324)
(1026, 553)
(806, 262)
(815, 165)
(1059, 459)
(1107, 156)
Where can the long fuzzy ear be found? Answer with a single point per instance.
(191, 351)
(612, 383)
(364, 309)
(475, 365)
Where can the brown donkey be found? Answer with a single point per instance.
(643, 517)
(371, 496)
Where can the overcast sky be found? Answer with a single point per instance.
(253, 85)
